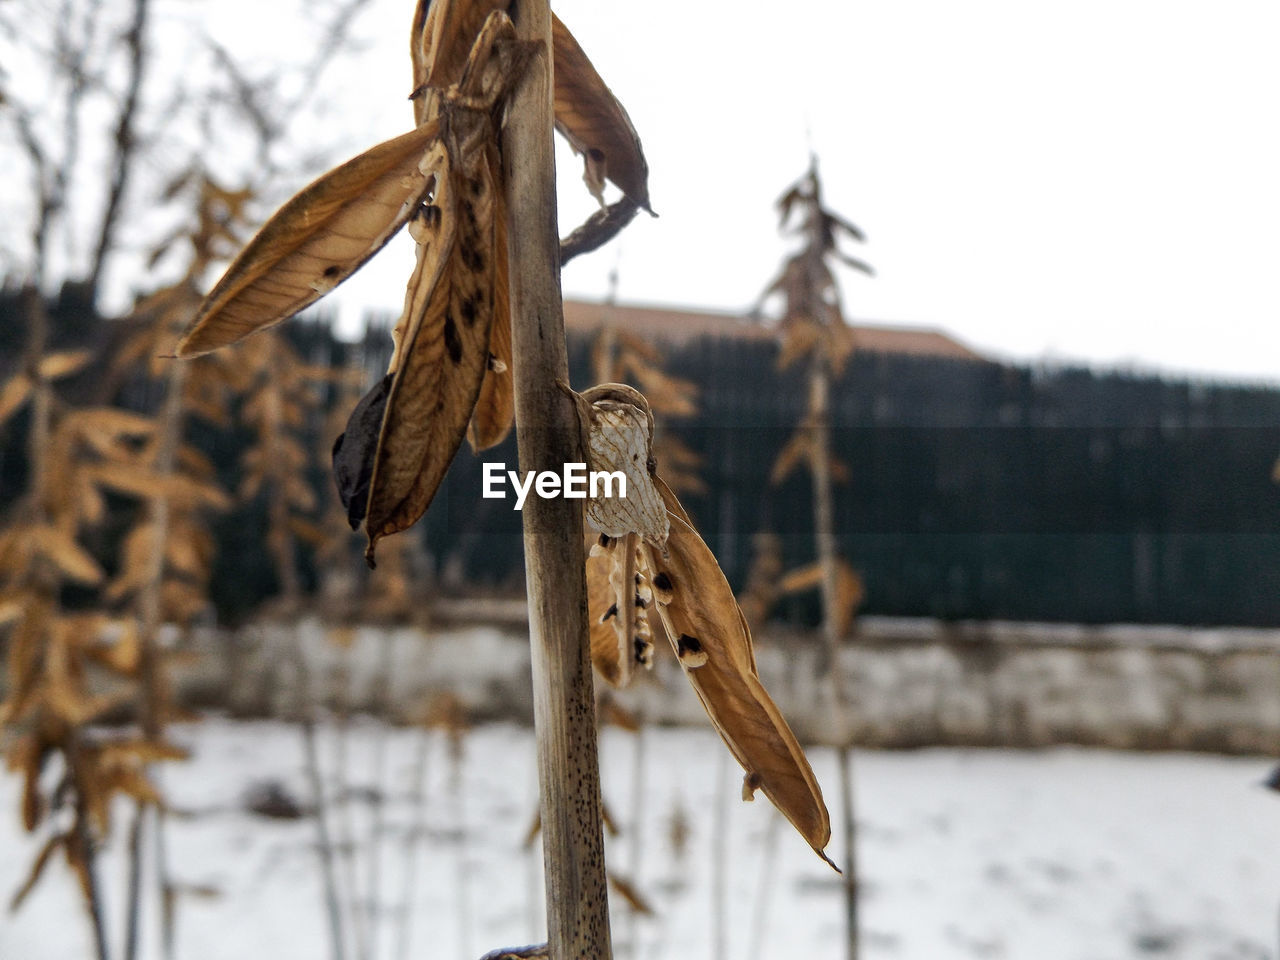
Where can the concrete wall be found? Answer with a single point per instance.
(910, 683)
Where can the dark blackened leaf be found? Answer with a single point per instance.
(354, 449)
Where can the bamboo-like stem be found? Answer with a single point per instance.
(824, 533)
(765, 888)
(461, 890)
(636, 851)
(720, 863)
(823, 507)
(168, 891)
(820, 376)
(37, 321)
(85, 842)
(126, 141)
(45, 585)
(547, 433)
(345, 826)
(311, 754)
(849, 849)
(151, 704)
(377, 812)
(133, 884)
(417, 829)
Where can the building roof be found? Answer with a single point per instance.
(679, 325)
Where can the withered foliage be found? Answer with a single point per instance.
(647, 558)
(450, 371)
(812, 320)
(619, 356)
(449, 374)
(66, 669)
(814, 330)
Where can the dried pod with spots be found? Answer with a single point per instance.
(636, 565)
(713, 644)
(495, 407)
(620, 601)
(444, 334)
(617, 435)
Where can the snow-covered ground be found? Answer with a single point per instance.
(1058, 855)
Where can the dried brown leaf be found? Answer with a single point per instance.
(181, 491)
(713, 644)
(54, 366)
(798, 340)
(315, 241)
(62, 551)
(443, 351)
(594, 122)
(628, 892)
(443, 336)
(849, 595)
(608, 637)
(802, 578)
(104, 427)
(797, 449)
(495, 406)
(611, 713)
(444, 42)
(13, 395)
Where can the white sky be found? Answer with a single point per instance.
(1095, 181)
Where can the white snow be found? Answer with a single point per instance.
(1065, 854)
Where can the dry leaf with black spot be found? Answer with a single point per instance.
(673, 572)
(314, 242)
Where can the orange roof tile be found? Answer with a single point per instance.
(680, 325)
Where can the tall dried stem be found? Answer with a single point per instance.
(547, 431)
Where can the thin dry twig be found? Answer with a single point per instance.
(598, 229)
(126, 140)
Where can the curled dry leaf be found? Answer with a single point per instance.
(595, 123)
(617, 429)
(799, 448)
(849, 589)
(59, 841)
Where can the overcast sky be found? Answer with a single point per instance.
(1091, 182)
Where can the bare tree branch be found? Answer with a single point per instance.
(334, 40)
(44, 192)
(125, 141)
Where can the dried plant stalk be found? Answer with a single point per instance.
(547, 429)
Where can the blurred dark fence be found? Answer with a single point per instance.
(975, 491)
